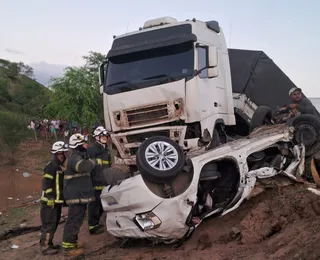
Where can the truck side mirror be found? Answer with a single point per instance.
(101, 74)
(213, 62)
(213, 56)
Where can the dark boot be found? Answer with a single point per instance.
(46, 249)
(53, 246)
(96, 230)
(46, 245)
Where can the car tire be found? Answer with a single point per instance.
(164, 168)
(307, 131)
(262, 116)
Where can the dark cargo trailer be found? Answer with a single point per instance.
(254, 74)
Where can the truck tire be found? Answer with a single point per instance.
(307, 131)
(159, 159)
(262, 116)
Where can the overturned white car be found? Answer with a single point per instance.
(171, 194)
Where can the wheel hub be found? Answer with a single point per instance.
(161, 156)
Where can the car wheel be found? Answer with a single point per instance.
(307, 131)
(160, 159)
(262, 116)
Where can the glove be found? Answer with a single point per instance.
(50, 203)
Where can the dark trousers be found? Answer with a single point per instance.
(95, 211)
(76, 214)
(50, 218)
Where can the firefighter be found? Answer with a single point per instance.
(78, 192)
(52, 198)
(99, 150)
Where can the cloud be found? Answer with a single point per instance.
(13, 51)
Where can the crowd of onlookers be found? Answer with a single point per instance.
(55, 128)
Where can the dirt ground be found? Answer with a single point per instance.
(16, 189)
(278, 224)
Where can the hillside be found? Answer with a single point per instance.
(19, 93)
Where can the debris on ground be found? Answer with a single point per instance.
(275, 224)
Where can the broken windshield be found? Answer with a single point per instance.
(149, 68)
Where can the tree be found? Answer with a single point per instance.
(27, 70)
(13, 130)
(93, 60)
(76, 94)
(4, 91)
(13, 70)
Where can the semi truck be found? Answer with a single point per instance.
(178, 79)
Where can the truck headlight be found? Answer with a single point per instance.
(147, 221)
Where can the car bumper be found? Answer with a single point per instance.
(122, 208)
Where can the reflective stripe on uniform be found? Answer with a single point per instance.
(48, 191)
(77, 175)
(99, 161)
(43, 198)
(55, 201)
(80, 201)
(98, 187)
(68, 245)
(92, 227)
(105, 162)
(77, 166)
(48, 176)
(57, 187)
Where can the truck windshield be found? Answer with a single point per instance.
(149, 68)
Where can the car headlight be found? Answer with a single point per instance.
(147, 221)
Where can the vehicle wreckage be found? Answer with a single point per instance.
(186, 115)
(168, 207)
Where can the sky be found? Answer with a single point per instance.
(61, 32)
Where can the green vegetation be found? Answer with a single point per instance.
(19, 92)
(21, 98)
(76, 95)
(13, 130)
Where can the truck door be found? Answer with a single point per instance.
(212, 90)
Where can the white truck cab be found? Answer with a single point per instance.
(169, 78)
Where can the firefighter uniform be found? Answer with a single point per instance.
(51, 204)
(78, 192)
(95, 210)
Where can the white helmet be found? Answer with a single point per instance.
(76, 140)
(100, 130)
(59, 146)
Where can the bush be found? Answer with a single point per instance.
(13, 131)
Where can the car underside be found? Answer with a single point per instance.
(166, 204)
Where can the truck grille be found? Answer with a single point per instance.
(147, 114)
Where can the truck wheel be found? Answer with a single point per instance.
(160, 159)
(262, 116)
(307, 131)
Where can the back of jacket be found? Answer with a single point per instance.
(77, 179)
(97, 151)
